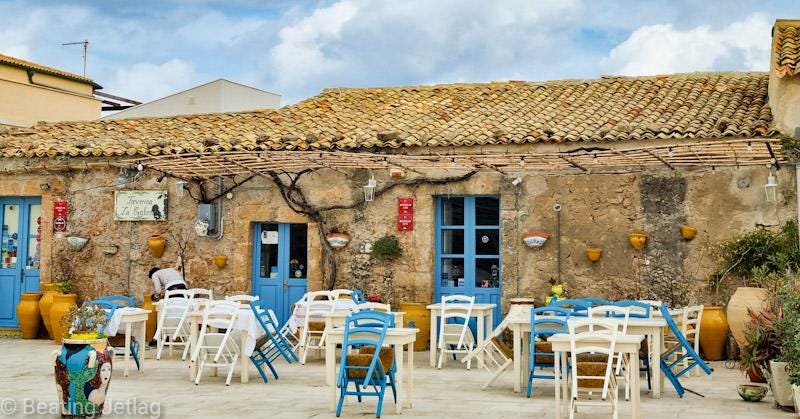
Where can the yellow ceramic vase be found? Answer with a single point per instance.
(48, 290)
(714, 332)
(220, 261)
(152, 318)
(156, 245)
(62, 303)
(421, 318)
(28, 314)
(637, 240)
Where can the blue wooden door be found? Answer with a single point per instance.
(20, 219)
(468, 249)
(280, 265)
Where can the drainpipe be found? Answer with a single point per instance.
(797, 196)
(220, 218)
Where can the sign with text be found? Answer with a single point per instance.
(140, 205)
(405, 214)
(60, 209)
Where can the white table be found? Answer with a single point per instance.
(130, 316)
(248, 328)
(398, 338)
(481, 312)
(297, 318)
(628, 344)
(653, 327)
(337, 318)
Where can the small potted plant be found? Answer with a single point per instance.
(83, 365)
(337, 239)
(387, 248)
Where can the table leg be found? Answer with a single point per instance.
(558, 379)
(401, 393)
(656, 377)
(564, 381)
(481, 318)
(517, 344)
(142, 346)
(635, 386)
(245, 364)
(410, 394)
(433, 339)
(525, 346)
(192, 345)
(127, 350)
(330, 375)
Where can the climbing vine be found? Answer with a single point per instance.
(296, 199)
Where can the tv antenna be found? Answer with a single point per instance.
(85, 44)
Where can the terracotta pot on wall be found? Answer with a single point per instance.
(594, 253)
(738, 317)
(220, 261)
(421, 318)
(714, 327)
(688, 232)
(28, 314)
(637, 240)
(156, 245)
(45, 303)
(62, 303)
(152, 318)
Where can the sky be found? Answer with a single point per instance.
(146, 49)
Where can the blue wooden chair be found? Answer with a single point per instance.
(111, 306)
(594, 301)
(578, 307)
(271, 345)
(358, 297)
(541, 353)
(120, 300)
(365, 329)
(689, 354)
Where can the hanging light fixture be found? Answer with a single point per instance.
(771, 188)
(180, 188)
(369, 189)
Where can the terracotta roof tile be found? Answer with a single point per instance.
(787, 49)
(684, 106)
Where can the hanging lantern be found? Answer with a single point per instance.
(180, 188)
(369, 190)
(771, 188)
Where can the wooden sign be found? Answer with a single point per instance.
(60, 210)
(140, 205)
(405, 214)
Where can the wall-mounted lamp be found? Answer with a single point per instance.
(369, 190)
(44, 186)
(771, 188)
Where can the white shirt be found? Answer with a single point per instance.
(165, 278)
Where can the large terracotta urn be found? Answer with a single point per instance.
(713, 333)
(152, 318)
(83, 374)
(738, 316)
(156, 245)
(62, 303)
(48, 291)
(28, 314)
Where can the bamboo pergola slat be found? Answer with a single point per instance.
(736, 152)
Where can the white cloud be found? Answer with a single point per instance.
(148, 81)
(661, 49)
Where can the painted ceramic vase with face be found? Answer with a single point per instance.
(83, 373)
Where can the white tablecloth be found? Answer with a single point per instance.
(299, 313)
(113, 326)
(246, 322)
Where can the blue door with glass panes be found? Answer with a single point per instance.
(280, 265)
(21, 220)
(468, 249)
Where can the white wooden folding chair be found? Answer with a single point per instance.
(201, 293)
(386, 308)
(690, 327)
(318, 305)
(341, 293)
(593, 377)
(456, 338)
(622, 315)
(216, 339)
(286, 332)
(173, 327)
(242, 298)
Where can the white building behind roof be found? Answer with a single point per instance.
(216, 96)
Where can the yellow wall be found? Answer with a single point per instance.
(24, 104)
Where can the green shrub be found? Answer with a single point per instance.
(386, 248)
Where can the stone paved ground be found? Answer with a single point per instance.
(26, 374)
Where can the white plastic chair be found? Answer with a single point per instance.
(173, 327)
(593, 343)
(215, 339)
(318, 305)
(456, 338)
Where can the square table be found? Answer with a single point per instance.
(130, 316)
(628, 344)
(653, 327)
(398, 337)
(481, 312)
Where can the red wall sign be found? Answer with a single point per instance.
(60, 216)
(405, 214)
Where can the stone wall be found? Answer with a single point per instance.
(598, 209)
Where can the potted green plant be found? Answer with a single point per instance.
(387, 248)
(787, 328)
